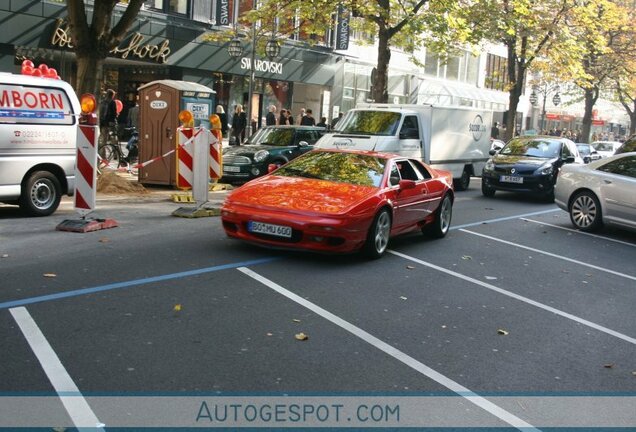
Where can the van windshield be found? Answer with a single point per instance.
(369, 123)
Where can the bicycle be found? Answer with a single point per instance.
(111, 154)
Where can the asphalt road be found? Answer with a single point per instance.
(513, 320)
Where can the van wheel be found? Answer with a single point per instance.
(378, 237)
(41, 194)
(462, 183)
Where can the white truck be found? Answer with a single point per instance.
(455, 139)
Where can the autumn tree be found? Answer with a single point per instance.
(92, 42)
(529, 30)
(626, 93)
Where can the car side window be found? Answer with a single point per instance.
(394, 177)
(421, 169)
(302, 135)
(624, 166)
(407, 172)
(409, 127)
(566, 151)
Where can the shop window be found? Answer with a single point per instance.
(452, 69)
(472, 68)
(169, 6)
(430, 65)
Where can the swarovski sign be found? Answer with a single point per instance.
(263, 66)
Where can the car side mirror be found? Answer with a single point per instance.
(271, 167)
(569, 159)
(492, 152)
(407, 184)
(303, 144)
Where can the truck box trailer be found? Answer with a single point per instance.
(455, 139)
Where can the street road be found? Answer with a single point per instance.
(511, 304)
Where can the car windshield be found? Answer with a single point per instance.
(369, 123)
(604, 146)
(540, 148)
(273, 136)
(352, 168)
(584, 149)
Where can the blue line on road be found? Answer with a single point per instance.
(128, 284)
(503, 219)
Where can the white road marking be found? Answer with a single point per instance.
(502, 219)
(519, 297)
(539, 251)
(78, 409)
(580, 232)
(471, 396)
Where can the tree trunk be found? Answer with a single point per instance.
(380, 86)
(632, 120)
(590, 99)
(516, 71)
(90, 70)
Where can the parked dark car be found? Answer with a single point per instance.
(628, 146)
(528, 165)
(269, 145)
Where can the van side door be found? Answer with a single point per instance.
(410, 137)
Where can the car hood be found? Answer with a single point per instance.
(300, 194)
(249, 150)
(536, 162)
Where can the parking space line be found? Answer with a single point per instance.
(580, 232)
(128, 284)
(539, 251)
(404, 358)
(76, 406)
(503, 219)
(518, 297)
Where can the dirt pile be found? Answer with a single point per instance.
(112, 182)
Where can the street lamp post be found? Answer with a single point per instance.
(235, 50)
(545, 89)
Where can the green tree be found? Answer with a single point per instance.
(92, 42)
(529, 30)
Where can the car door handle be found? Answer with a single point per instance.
(607, 181)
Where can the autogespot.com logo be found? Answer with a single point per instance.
(477, 127)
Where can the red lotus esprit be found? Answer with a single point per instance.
(340, 201)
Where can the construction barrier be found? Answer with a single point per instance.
(216, 155)
(185, 157)
(86, 169)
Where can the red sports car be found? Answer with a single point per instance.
(341, 201)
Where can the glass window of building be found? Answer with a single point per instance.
(452, 69)
(169, 6)
(496, 77)
(430, 65)
(472, 68)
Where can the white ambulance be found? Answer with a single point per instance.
(454, 139)
(38, 130)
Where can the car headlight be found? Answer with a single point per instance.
(261, 155)
(545, 169)
(490, 166)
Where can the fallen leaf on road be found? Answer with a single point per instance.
(5, 255)
(491, 277)
(402, 298)
(565, 271)
(269, 334)
(410, 267)
(467, 257)
(296, 320)
(634, 373)
(608, 365)
(177, 307)
(301, 336)
(49, 275)
(503, 332)
(104, 240)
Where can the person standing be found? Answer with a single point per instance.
(133, 115)
(301, 116)
(223, 116)
(322, 122)
(107, 114)
(308, 119)
(336, 119)
(239, 123)
(270, 118)
(494, 131)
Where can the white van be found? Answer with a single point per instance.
(454, 139)
(38, 130)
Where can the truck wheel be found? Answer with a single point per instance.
(378, 237)
(41, 194)
(462, 183)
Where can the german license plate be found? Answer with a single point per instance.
(511, 179)
(230, 168)
(271, 229)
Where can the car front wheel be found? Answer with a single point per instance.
(378, 236)
(487, 191)
(585, 212)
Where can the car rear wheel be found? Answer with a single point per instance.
(439, 228)
(41, 194)
(585, 212)
(378, 236)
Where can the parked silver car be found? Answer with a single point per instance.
(601, 192)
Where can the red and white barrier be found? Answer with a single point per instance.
(86, 169)
(216, 156)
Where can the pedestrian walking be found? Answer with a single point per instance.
(239, 123)
(270, 118)
(308, 119)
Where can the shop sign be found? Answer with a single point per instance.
(550, 116)
(134, 48)
(158, 104)
(477, 127)
(200, 111)
(567, 118)
(342, 30)
(222, 12)
(263, 66)
(598, 122)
